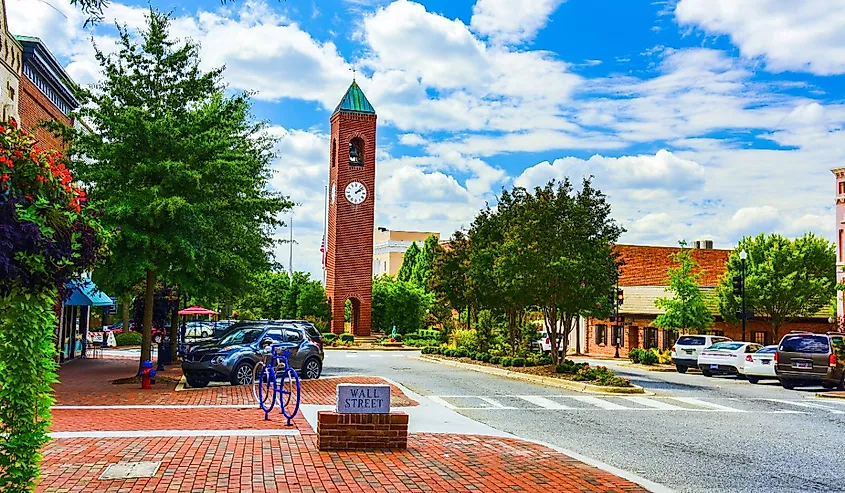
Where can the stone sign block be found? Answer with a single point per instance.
(360, 399)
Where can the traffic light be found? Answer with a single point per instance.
(611, 301)
(738, 285)
(620, 296)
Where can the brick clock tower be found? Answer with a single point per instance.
(352, 194)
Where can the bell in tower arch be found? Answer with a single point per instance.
(356, 156)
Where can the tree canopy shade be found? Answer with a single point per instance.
(400, 304)
(181, 168)
(785, 279)
(686, 308)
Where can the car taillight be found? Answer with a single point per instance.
(673, 349)
(776, 357)
(547, 341)
(832, 360)
(749, 359)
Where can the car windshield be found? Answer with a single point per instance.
(768, 350)
(691, 341)
(242, 336)
(805, 344)
(730, 346)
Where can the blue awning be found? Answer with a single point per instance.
(86, 293)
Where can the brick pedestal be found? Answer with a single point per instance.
(361, 431)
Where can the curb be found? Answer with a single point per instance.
(552, 382)
(646, 368)
(830, 395)
(353, 348)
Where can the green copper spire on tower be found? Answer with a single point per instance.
(354, 101)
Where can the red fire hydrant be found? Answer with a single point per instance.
(147, 374)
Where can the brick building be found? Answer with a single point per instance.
(389, 248)
(643, 279)
(44, 94)
(11, 64)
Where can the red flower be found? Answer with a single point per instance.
(2, 128)
(13, 123)
(18, 153)
(28, 197)
(4, 177)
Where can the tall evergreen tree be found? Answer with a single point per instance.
(409, 262)
(425, 262)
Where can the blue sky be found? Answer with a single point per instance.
(700, 119)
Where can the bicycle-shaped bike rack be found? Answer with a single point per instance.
(268, 384)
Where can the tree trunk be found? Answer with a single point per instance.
(577, 336)
(124, 309)
(174, 329)
(147, 328)
(550, 321)
(566, 328)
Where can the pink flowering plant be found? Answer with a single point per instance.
(49, 233)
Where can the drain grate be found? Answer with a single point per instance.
(130, 470)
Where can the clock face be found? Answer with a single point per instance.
(334, 191)
(356, 192)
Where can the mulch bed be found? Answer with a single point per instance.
(542, 371)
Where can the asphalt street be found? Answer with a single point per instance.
(696, 434)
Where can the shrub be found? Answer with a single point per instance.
(507, 361)
(347, 338)
(428, 334)
(545, 359)
(329, 338)
(485, 357)
(600, 375)
(664, 357)
(635, 354)
(460, 353)
(427, 350)
(128, 338)
(649, 358)
(473, 355)
(519, 361)
(495, 359)
(569, 367)
(466, 339)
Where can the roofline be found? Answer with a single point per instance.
(676, 247)
(41, 53)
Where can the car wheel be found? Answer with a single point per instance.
(196, 381)
(707, 373)
(312, 368)
(828, 385)
(841, 384)
(787, 384)
(242, 374)
(753, 379)
(204, 334)
(681, 368)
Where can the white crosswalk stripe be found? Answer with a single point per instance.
(595, 401)
(543, 402)
(580, 403)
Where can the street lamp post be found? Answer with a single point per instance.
(743, 255)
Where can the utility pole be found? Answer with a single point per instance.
(290, 259)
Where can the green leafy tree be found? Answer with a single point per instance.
(425, 262)
(409, 262)
(180, 167)
(312, 302)
(398, 303)
(290, 306)
(450, 279)
(266, 296)
(685, 309)
(785, 279)
(559, 245)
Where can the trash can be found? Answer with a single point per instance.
(164, 357)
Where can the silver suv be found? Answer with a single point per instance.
(687, 348)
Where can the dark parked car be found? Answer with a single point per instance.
(312, 331)
(806, 359)
(233, 357)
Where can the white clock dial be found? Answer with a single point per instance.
(356, 192)
(334, 191)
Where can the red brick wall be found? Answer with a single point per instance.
(635, 333)
(33, 108)
(361, 431)
(647, 265)
(349, 254)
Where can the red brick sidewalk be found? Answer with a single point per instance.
(88, 383)
(437, 463)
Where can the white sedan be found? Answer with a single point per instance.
(760, 364)
(725, 357)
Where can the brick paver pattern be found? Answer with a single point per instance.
(436, 463)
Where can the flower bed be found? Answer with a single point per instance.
(537, 365)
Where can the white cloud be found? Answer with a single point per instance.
(509, 21)
(57, 22)
(411, 139)
(789, 35)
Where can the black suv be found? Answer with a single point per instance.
(233, 357)
(806, 358)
